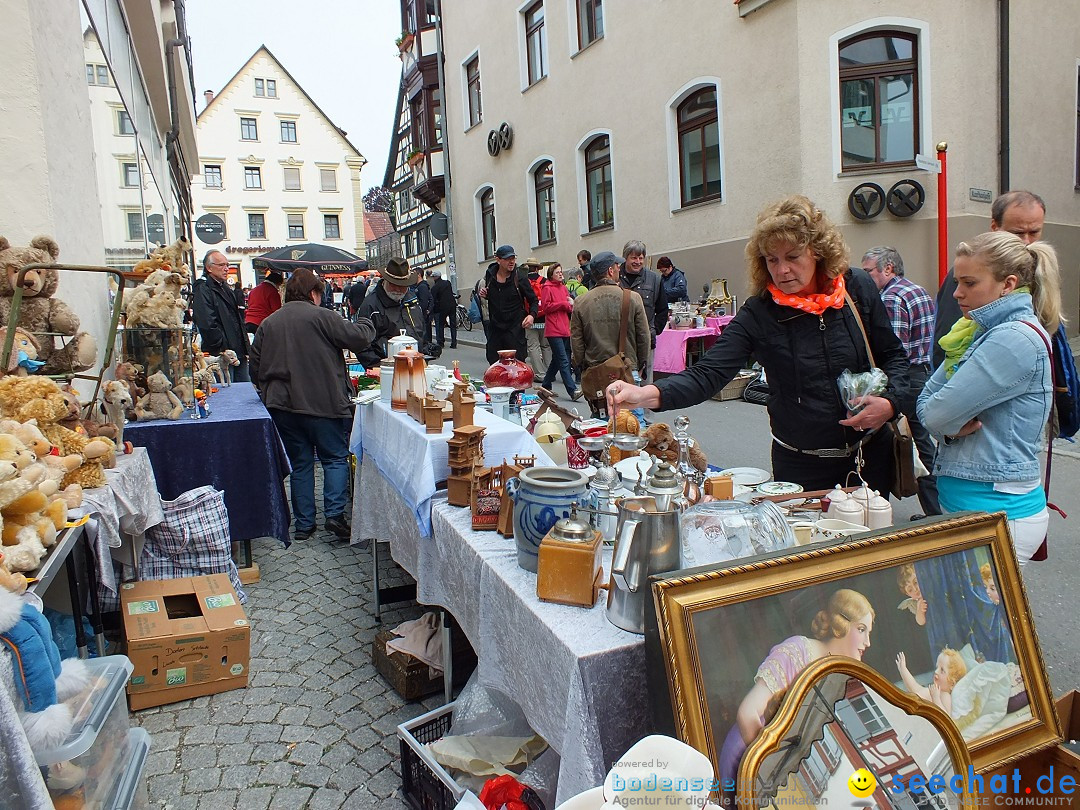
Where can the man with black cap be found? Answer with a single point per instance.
(263, 300)
(392, 307)
(595, 323)
(510, 300)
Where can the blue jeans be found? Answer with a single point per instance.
(303, 436)
(560, 363)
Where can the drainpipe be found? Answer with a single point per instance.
(451, 264)
(172, 137)
(1004, 182)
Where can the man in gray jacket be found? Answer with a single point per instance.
(298, 367)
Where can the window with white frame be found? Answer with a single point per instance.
(252, 177)
(260, 88)
(212, 176)
(543, 178)
(699, 147)
(131, 175)
(292, 178)
(327, 179)
(331, 226)
(590, 22)
(598, 186)
(288, 132)
(271, 88)
(487, 223)
(535, 42)
(296, 226)
(97, 74)
(256, 226)
(879, 100)
(472, 84)
(249, 129)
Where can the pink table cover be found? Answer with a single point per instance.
(670, 353)
(719, 322)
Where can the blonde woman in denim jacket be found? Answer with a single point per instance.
(988, 403)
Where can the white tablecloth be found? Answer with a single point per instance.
(414, 460)
(579, 679)
(128, 502)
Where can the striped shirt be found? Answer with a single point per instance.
(911, 310)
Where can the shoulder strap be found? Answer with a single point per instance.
(858, 320)
(624, 318)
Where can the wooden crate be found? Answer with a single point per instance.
(734, 389)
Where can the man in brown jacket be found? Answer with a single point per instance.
(594, 324)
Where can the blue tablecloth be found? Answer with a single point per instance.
(237, 449)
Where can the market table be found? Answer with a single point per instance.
(579, 679)
(236, 449)
(673, 346)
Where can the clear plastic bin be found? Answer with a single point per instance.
(129, 792)
(88, 764)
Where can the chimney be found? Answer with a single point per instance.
(209, 96)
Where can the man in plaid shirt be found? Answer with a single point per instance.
(911, 310)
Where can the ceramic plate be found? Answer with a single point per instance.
(779, 488)
(747, 476)
(628, 468)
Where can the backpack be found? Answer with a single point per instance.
(1066, 385)
(536, 284)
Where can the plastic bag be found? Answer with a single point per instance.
(480, 710)
(855, 388)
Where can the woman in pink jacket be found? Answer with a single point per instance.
(556, 305)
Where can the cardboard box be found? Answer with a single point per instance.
(185, 638)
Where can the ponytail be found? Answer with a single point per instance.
(1046, 286)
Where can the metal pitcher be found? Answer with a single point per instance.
(647, 542)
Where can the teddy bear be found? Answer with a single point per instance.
(624, 422)
(39, 398)
(13, 581)
(130, 374)
(157, 302)
(663, 446)
(159, 402)
(42, 680)
(86, 427)
(40, 313)
(56, 466)
(23, 359)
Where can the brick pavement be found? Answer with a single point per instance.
(316, 726)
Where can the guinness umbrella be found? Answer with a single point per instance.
(323, 259)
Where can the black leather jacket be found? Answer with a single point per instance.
(802, 355)
(650, 287)
(389, 317)
(220, 323)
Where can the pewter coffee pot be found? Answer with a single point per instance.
(648, 541)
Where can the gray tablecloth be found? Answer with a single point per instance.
(579, 679)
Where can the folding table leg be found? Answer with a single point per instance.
(447, 657)
(90, 562)
(76, 608)
(375, 579)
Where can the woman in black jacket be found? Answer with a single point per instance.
(798, 325)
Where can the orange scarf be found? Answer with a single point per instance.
(815, 303)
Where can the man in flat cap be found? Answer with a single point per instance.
(510, 301)
(391, 308)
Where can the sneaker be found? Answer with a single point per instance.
(338, 527)
(917, 516)
(577, 395)
(300, 535)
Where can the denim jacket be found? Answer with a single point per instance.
(1004, 379)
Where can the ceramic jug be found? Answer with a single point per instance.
(879, 512)
(849, 510)
(836, 496)
(408, 376)
(541, 496)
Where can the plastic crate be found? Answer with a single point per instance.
(129, 792)
(425, 783)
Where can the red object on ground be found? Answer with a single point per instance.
(503, 790)
(508, 371)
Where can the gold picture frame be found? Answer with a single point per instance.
(716, 627)
(811, 747)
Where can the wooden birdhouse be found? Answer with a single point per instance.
(463, 404)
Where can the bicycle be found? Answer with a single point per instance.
(463, 319)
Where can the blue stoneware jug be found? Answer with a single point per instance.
(543, 495)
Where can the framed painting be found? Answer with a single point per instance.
(938, 609)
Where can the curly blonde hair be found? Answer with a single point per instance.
(905, 575)
(795, 220)
(845, 607)
(955, 668)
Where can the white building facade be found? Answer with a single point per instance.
(275, 169)
(569, 129)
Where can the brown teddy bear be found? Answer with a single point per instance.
(26, 398)
(663, 445)
(624, 422)
(40, 313)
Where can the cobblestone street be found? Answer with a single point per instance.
(316, 726)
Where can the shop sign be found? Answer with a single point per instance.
(210, 228)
